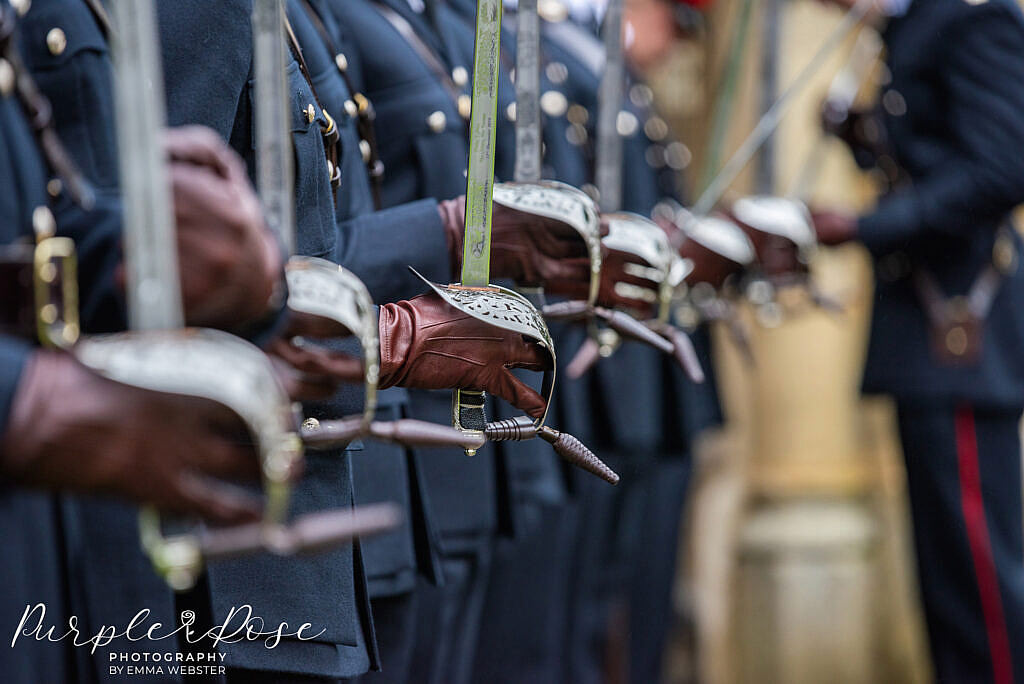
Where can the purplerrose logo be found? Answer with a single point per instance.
(240, 624)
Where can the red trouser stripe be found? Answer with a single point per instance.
(981, 549)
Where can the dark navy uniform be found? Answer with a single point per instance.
(953, 115)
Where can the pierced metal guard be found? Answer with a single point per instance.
(212, 365)
(564, 203)
(322, 288)
(509, 310)
(636, 235)
(781, 216)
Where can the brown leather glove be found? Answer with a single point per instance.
(71, 429)
(230, 262)
(708, 266)
(834, 227)
(427, 344)
(777, 255)
(529, 249)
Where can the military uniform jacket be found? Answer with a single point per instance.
(378, 246)
(953, 114)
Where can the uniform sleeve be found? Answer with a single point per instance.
(13, 356)
(379, 248)
(983, 73)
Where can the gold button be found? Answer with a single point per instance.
(43, 222)
(341, 61)
(54, 187)
(626, 123)
(6, 78)
(553, 103)
(364, 150)
(21, 6)
(350, 108)
(310, 113)
(460, 76)
(465, 106)
(437, 121)
(956, 341)
(56, 41)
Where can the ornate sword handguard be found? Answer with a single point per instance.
(640, 237)
(564, 203)
(509, 310)
(781, 216)
(789, 219)
(322, 288)
(220, 367)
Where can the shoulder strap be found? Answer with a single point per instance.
(366, 114)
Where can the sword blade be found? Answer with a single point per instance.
(274, 170)
(528, 131)
(476, 257)
(608, 172)
(153, 284)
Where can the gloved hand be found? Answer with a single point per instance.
(777, 255)
(310, 371)
(709, 266)
(230, 262)
(427, 344)
(834, 227)
(71, 429)
(529, 249)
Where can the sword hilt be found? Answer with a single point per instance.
(468, 415)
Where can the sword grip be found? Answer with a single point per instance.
(468, 413)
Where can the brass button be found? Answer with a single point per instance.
(553, 103)
(437, 121)
(626, 123)
(656, 128)
(56, 41)
(350, 108)
(43, 222)
(6, 78)
(465, 104)
(21, 6)
(310, 113)
(956, 340)
(460, 76)
(364, 150)
(341, 61)
(54, 187)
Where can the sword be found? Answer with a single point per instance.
(475, 296)
(468, 405)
